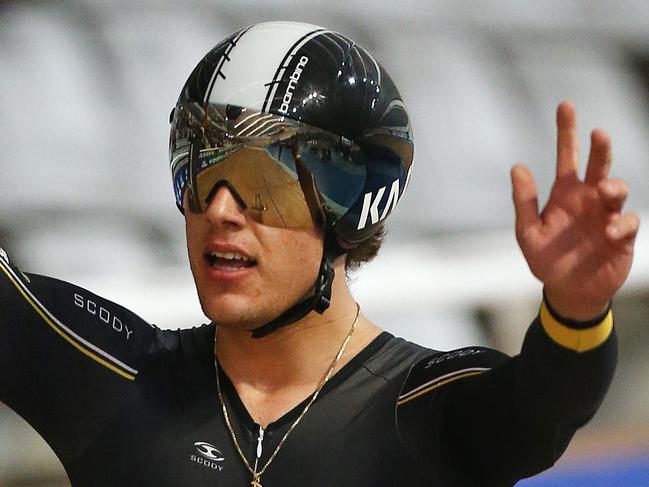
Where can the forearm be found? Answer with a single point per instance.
(570, 365)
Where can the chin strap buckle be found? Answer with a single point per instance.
(322, 297)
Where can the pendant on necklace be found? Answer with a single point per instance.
(256, 481)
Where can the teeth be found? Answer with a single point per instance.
(229, 256)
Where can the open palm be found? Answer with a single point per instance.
(581, 245)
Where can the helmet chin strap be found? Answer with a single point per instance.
(321, 298)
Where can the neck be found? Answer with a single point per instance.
(297, 355)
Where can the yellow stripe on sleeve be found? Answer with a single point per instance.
(409, 398)
(579, 340)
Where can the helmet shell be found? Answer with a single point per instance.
(324, 79)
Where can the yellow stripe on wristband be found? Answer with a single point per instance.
(579, 340)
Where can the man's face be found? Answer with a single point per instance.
(279, 267)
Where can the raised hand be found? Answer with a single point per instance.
(581, 245)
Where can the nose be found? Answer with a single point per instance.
(225, 209)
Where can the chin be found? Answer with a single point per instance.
(236, 312)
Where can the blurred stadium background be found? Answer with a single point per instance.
(86, 87)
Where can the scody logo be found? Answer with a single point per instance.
(209, 455)
(292, 83)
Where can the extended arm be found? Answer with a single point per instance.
(486, 419)
(67, 356)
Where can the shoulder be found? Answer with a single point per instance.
(393, 356)
(440, 368)
(420, 402)
(106, 332)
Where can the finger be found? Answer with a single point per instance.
(624, 228)
(525, 197)
(614, 193)
(599, 161)
(567, 145)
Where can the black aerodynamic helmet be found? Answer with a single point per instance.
(302, 124)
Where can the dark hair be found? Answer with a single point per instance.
(365, 251)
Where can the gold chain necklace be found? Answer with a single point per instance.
(256, 475)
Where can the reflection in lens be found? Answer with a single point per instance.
(270, 161)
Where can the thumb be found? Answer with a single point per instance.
(525, 197)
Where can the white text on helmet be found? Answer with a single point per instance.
(371, 205)
(292, 83)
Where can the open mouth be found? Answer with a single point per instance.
(229, 261)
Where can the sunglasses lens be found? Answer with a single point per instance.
(269, 193)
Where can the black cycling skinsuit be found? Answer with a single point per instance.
(123, 403)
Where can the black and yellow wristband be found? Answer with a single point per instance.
(575, 335)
